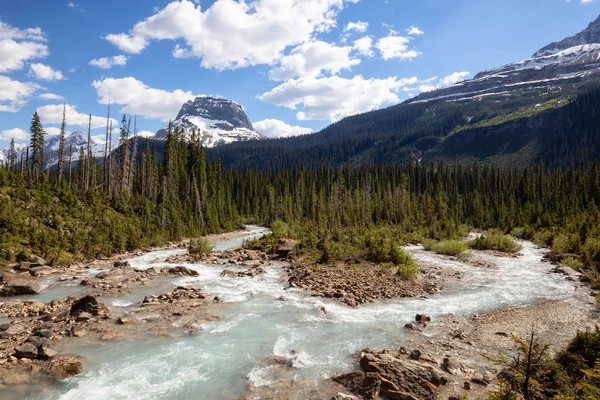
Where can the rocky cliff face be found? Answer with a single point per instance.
(216, 120)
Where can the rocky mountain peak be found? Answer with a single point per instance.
(227, 113)
(589, 35)
(216, 120)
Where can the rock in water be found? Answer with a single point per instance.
(88, 304)
(63, 367)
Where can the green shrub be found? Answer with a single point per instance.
(591, 249)
(494, 239)
(563, 243)
(200, 246)
(446, 247)
(573, 263)
(519, 233)
(407, 267)
(543, 238)
(280, 229)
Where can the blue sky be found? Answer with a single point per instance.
(295, 65)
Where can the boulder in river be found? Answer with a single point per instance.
(63, 367)
(385, 373)
(88, 304)
(19, 286)
(183, 271)
(40, 271)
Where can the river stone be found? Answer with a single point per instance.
(88, 304)
(46, 333)
(46, 350)
(40, 271)
(17, 287)
(364, 384)
(181, 270)
(63, 367)
(37, 260)
(26, 350)
(4, 326)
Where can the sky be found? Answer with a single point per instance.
(295, 65)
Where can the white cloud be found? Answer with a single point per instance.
(20, 45)
(52, 131)
(396, 47)
(45, 73)
(50, 96)
(52, 114)
(454, 78)
(275, 128)
(358, 26)
(414, 31)
(333, 98)
(140, 99)
(14, 94)
(311, 59)
(76, 6)
(9, 32)
(364, 45)
(146, 134)
(13, 54)
(108, 62)
(231, 34)
(15, 133)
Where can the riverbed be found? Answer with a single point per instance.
(259, 319)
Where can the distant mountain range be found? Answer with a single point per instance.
(543, 109)
(77, 139)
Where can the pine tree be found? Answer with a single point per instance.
(12, 155)
(61, 144)
(37, 145)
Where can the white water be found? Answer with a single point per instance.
(255, 324)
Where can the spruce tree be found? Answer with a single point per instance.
(61, 144)
(37, 145)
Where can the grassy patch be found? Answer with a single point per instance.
(494, 239)
(446, 247)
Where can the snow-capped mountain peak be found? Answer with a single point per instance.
(589, 35)
(216, 120)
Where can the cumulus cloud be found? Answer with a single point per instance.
(20, 45)
(414, 31)
(274, 128)
(53, 113)
(108, 62)
(15, 133)
(358, 26)
(146, 134)
(14, 94)
(311, 59)
(454, 78)
(50, 96)
(394, 46)
(333, 98)
(232, 34)
(363, 46)
(45, 73)
(140, 99)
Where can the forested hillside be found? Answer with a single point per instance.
(558, 130)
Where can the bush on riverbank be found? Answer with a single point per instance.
(447, 247)
(494, 239)
(200, 246)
